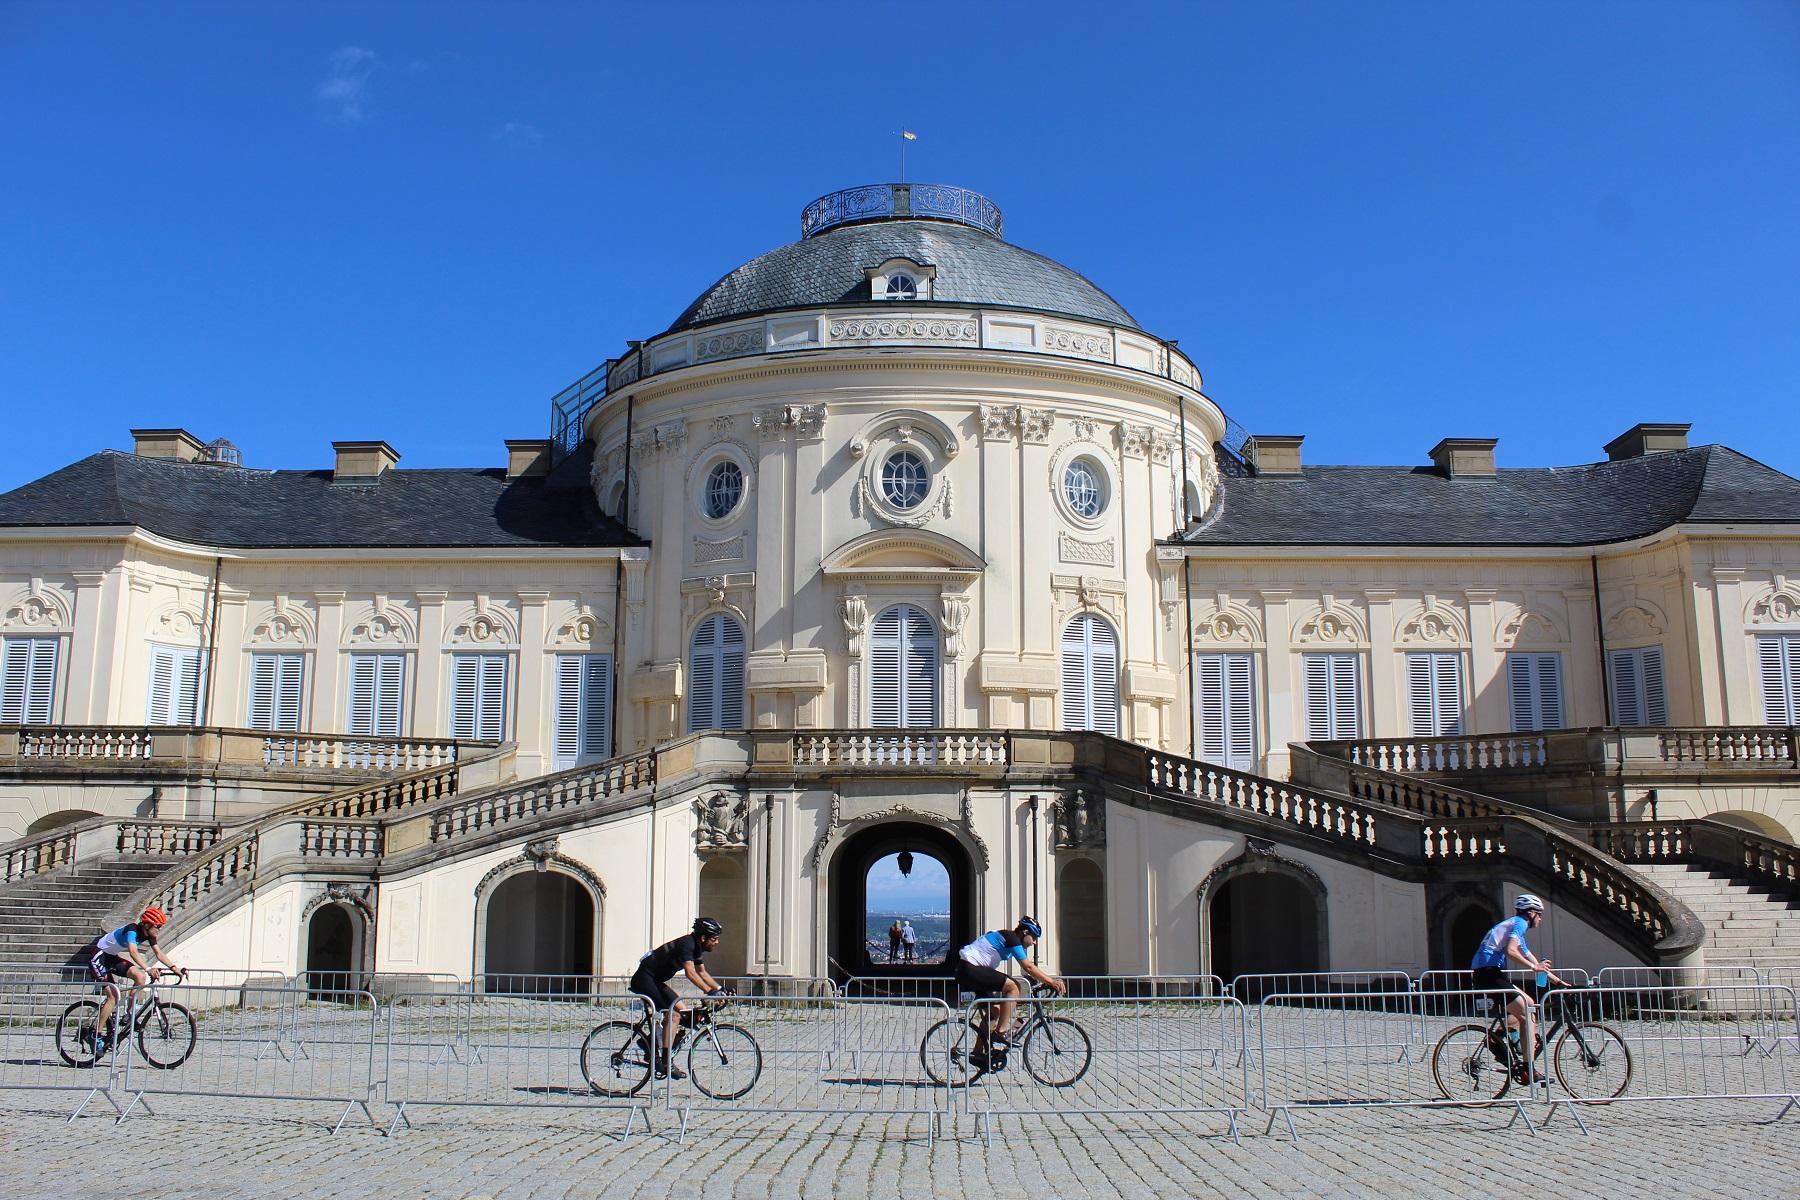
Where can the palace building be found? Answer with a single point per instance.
(899, 537)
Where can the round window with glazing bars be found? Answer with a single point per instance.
(1084, 487)
(724, 489)
(904, 479)
(902, 287)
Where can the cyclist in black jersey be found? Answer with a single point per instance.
(685, 954)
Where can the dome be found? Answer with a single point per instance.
(848, 234)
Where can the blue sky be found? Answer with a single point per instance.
(1374, 223)
(927, 889)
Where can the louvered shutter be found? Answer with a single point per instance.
(377, 693)
(27, 680)
(1534, 690)
(884, 671)
(716, 675)
(920, 670)
(1637, 686)
(362, 694)
(1090, 675)
(478, 696)
(596, 708)
(462, 696)
(174, 692)
(490, 722)
(1434, 693)
(583, 709)
(1332, 687)
(1778, 658)
(1225, 701)
(275, 691)
(567, 747)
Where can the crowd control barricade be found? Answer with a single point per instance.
(1707, 1041)
(1112, 1056)
(253, 1042)
(1335, 1050)
(503, 1050)
(827, 1055)
(30, 1009)
(1348, 992)
(1454, 994)
(1137, 987)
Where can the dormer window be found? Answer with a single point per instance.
(901, 279)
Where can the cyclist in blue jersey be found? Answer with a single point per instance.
(1505, 946)
(117, 957)
(978, 970)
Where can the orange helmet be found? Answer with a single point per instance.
(154, 917)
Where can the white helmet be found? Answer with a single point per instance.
(1528, 903)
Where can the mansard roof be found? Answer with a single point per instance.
(216, 505)
(1587, 505)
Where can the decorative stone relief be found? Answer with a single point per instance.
(1527, 627)
(875, 328)
(853, 611)
(282, 623)
(1134, 440)
(1071, 341)
(1634, 622)
(806, 422)
(669, 437)
(724, 427)
(1072, 549)
(1163, 447)
(381, 622)
(1434, 624)
(1332, 624)
(726, 345)
(1228, 624)
(580, 630)
(954, 614)
(38, 609)
(174, 623)
(1085, 428)
(938, 504)
(727, 550)
(1258, 856)
(1080, 820)
(720, 820)
(1779, 605)
(1037, 425)
(484, 624)
(835, 822)
(1000, 421)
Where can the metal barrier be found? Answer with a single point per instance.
(1331, 1050)
(1439, 988)
(1113, 1057)
(1144, 986)
(899, 987)
(1708, 1041)
(485, 1049)
(29, 1061)
(825, 1056)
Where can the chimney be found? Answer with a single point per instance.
(527, 456)
(1460, 458)
(362, 462)
(1275, 453)
(1644, 439)
(167, 443)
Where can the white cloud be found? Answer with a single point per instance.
(345, 87)
(519, 133)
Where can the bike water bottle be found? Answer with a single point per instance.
(1543, 980)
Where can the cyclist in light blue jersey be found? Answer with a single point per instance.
(978, 970)
(1505, 946)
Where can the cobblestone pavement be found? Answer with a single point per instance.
(197, 1147)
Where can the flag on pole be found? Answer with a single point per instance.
(909, 135)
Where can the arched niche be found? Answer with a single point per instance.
(1263, 914)
(538, 924)
(723, 897)
(1080, 930)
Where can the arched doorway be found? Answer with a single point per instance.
(539, 935)
(1080, 932)
(858, 889)
(333, 949)
(1464, 924)
(1264, 922)
(722, 898)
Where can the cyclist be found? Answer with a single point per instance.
(978, 970)
(1505, 945)
(686, 954)
(118, 956)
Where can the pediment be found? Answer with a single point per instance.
(910, 552)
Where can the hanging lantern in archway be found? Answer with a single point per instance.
(905, 860)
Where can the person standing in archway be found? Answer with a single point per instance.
(894, 935)
(909, 941)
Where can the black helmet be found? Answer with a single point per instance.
(1030, 925)
(707, 927)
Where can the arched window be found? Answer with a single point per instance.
(903, 674)
(724, 488)
(902, 287)
(716, 675)
(1090, 673)
(905, 479)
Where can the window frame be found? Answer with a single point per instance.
(906, 640)
(1534, 690)
(1236, 723)
(1337, 682)
(1638, 666)
(1096, 683)
(29, 665)
(282, 714)
(481, 680)
(583, 693)
(922, 483)
(723, 704)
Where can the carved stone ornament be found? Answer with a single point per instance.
(37, 610)
(722, 427)
(1634, 623)
(1780, 605)
(853, 611)
(541, 852)
(1071, 549)
(715, 589)
(1332, 624)
(1258, 856)
(1038, 422)
(1134, 440)
(1528, 628)
(729, 549)
(1163, 447)
(835, 823)
(1434, 625)
(1000, 421)
(177, 623)
(806, 422)
(1080, 820)
(720, 821)
(953, 613)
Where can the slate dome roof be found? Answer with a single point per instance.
(975, 266)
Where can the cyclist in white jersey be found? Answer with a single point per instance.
(978, 970)
(118, 957)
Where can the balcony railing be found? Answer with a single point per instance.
(136, 745)
(1603, 748)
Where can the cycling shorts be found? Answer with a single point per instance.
(104, 967)
(1499, 988)
(660, 995)
(985, 982)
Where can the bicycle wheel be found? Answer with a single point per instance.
(937, 1056)
(75, 1020)
(724, 1061)
(615, 1058)
(1465, 1069)
(166, 1035)
(1592, 1062)
(1057, 1051)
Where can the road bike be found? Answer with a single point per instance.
(165, 1030)
(1479, 1062)
(723, 1061)
(1056, 1050)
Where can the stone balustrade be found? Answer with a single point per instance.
(84, 746)
(1597, 748)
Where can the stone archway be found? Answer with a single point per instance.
(1263, 914)
(334, 936)
(538, 923)
(1080, 931)
(722, 897)
(848, 874)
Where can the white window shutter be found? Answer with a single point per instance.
(1637, 684)
(262, 691)
(1103, 677)
(362, 695)
(1240, 712)
(1315, 684)
(1346, 697)
(920, 672)
(716, 675)
(478, 696)
(1778, 661)
(27, 680)
(490, 725)
(1076, 704)
(1434, 693)
(1550, 690)
(1226, 703)
(1656, 699)
(462, 696)
(290, 686)
(1534, 690)
(731, 675)
(567, 742)
(174, 691)
(377, 694)
(1420, 697)
(596, 708)
(903, 663)
(884, 671)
